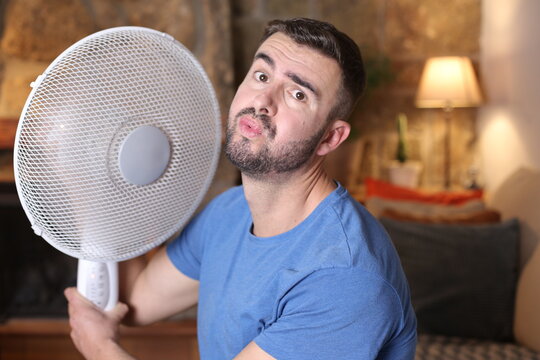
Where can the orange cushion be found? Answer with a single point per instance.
(480, 217)
(387, 190)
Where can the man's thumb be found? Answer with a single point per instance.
(119, 311)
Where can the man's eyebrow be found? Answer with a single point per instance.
(264, 57)
(294, 77)
(297, 79)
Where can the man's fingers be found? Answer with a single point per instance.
(118, 312)
(68, 293)
(74, 296)
(85, 317)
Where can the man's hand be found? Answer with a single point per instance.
(93, 331)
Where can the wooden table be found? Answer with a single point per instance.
(48, 339)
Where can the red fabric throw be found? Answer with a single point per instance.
(386, 190)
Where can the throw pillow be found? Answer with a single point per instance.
(479, 217)
(462, 277)
(387, 190)
(377, 205)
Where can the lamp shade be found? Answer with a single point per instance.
(448, 82)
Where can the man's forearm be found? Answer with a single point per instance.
(156, 292)
(128, 272)
(112, 351)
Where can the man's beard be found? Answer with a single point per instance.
(278, 160)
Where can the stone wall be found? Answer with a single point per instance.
(34, 32)
(396, 37)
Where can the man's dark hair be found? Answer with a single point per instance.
(328, 40)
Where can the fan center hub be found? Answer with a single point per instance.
(144, 155)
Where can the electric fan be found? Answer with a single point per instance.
(116, 146)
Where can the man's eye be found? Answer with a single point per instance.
(260, 76)
(299, 95)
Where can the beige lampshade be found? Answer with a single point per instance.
(448, 82)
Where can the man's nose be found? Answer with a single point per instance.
(265, 102)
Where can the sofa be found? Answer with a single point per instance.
(472, 264)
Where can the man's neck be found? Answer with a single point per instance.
(282, 203)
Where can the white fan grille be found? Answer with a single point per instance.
(69, 135)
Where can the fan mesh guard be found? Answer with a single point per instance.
(70, 133)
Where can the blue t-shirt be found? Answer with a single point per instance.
(330, 288)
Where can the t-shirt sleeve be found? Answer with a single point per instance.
(186, 250)
(339, 314)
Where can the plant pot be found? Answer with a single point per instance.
(405, 174)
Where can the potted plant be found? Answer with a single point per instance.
(401, 171)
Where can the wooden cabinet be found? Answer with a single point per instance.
(32, 339)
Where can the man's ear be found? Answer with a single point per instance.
(337, 132)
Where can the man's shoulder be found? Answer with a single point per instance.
(229, 199)
(231, 202)
(364, 235)
(341, 233)
(234, 192)
(350, 212)
(369, 248)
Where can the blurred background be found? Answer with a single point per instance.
(475, 138)
(396, 37)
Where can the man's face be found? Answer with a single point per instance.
(278, 115)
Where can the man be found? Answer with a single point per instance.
(287, 266)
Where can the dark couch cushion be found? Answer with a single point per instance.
(462, 277)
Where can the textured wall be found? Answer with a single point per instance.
(396, 37)
(509, 125)
(34, 32)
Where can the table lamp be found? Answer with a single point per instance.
(448, 82)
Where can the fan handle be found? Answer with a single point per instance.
(98, 282)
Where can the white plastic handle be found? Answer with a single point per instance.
(98, 282)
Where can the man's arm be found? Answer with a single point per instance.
(159, 291)
(253, 352)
